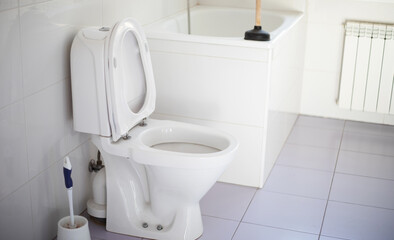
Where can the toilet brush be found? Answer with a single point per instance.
(69, 185)
(257, 34)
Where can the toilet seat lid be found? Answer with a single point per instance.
(131, 92)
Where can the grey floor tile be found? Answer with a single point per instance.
(351, 221)
(308, 157)
(217, 228)
(227, 201)
(363, 190)
(318, 122)
(286, 211)
(365, 164)
(316, 137)
(374, 144)
(299, 181)
(369, 128)
(252, 231)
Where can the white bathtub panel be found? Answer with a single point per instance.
(247, 165)
(209, 88)
(210, 49)
(279, 126)
(287, 70)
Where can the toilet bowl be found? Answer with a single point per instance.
(156, 170)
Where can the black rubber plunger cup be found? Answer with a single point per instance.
(257, 34)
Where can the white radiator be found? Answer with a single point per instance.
(368, 68)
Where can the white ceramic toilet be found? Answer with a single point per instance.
(156, 171)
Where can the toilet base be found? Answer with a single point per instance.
(187, 225)
(129, 204)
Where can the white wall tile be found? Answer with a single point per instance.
(16, 217)
(8, 4)
(324, 58)
(50, 132)
(30, 2)
(13, 153)
(43, 201)
(47, 31)
(319, 95)
(335, 12)
(80, 159)
(324, 53)
(145, 12)
(11, 88)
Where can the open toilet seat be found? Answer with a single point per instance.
(207, 145)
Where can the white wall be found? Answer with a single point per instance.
(36, 129)
(323, 56)
(146, 11)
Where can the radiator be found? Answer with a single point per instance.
(368, 68)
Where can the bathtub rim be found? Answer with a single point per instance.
(291, 18)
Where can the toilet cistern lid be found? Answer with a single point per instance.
(131, 92)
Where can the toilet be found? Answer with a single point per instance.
(156, 170)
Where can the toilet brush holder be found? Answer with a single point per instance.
(79, 232)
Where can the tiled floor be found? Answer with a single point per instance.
(333, 180)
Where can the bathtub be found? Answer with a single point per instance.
(225, 25)
(215, 78)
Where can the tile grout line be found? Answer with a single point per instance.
(280, 228)
(292, 194)
(240, 221)
(304, 168)
(222, 218)
(368, 153)
(365, 176)
(332, 180)
(363, 205)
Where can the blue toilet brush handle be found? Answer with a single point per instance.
(67, 178)
(67, 169)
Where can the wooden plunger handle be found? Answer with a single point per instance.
(258, 12)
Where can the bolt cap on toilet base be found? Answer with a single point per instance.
(257, 34)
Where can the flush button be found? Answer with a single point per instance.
(104, 29)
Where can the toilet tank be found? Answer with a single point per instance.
(88, 81)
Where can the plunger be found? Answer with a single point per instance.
(257, 34)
